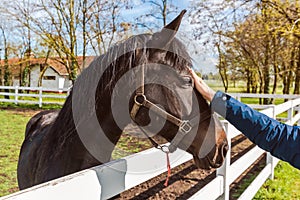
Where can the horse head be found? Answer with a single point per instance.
(166, 103)
(145, 79)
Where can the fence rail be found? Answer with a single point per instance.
(106, 181)
(40, 95)
(32, 95)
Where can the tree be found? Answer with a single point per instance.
(6, 75)
(158, 15)
(211, 20)
(104, 22)
(263, 41)
(6, 72)
(63, 26)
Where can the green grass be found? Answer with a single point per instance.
(29, 106)
(128, 145)
(286, 184)
(12, 128)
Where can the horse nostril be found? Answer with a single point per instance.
(224, 149)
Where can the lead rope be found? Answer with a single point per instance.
(169, 170)
(164, 149)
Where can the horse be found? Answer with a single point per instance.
(84, 132)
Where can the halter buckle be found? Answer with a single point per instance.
(139, 99)
(164, 148)
(185, 126)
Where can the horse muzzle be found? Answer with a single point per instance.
(214, 158)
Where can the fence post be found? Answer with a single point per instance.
(16, 94)
(269, 158)
(69, 90)
(290, 112)
(238, 97)
(298, 111)
(40, 96)
(224, 170)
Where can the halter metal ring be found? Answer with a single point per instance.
(138, 98)
(164, 148)
(185, 127)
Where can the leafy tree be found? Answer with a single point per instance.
(70, 27)
(260, 38)
(158, 15)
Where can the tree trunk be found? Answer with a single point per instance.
(297, 78)
(249, 80)
(261, 84)
(1, 78)
(266, 87)
(164, 12)
(73, 62)
(7, 74)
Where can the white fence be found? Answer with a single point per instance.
(108, 180)
(33, 95)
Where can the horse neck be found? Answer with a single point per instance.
(66, 145)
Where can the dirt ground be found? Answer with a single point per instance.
(23, 111)
(186, 179)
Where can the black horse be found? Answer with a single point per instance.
(84, 132)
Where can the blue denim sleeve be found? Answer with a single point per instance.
(281, 140)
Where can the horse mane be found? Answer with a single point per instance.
(122, 57)
(117, 61)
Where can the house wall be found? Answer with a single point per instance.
(52, 83)
(16, 82)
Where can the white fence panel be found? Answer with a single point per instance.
(239, 166)
(82, 185)
(212, 190)
(251, 190)
(36, 96)
(109, 179)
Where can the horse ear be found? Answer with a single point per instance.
(163, 38)
(174, 25)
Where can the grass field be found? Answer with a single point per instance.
(12, 128)
(286, 184)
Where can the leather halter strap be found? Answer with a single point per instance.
(184, 126)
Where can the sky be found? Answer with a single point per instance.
(204, 61)
(141, 8)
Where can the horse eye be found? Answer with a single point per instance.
(188, 81)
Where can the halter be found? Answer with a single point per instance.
(184, 126)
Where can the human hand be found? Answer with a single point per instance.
(202, 87)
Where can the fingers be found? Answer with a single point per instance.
(193, 74)
(201, 86)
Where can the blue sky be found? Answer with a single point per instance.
(203, 61)
(140, 8)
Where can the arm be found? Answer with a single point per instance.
(281, 140)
